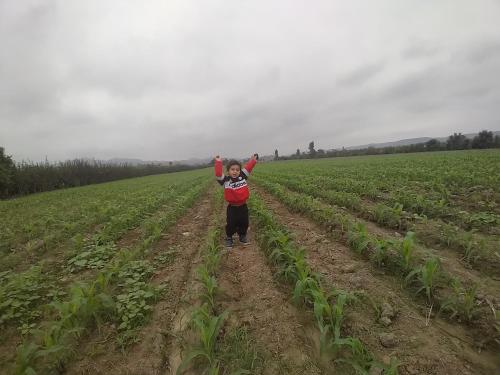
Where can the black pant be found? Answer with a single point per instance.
(237, 220)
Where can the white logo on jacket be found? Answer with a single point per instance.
(235, 184)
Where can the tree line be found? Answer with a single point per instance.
(24, 178)
(457, 141)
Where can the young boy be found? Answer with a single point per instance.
(236, 194)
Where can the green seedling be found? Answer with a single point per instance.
(462, 303)
(209, 283)
(360, 358)
(208, 327)
(381, 252)
(358, 238)
(425, 276)
(406, 250)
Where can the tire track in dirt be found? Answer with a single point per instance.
(186, 239)
(255, 300)
(435, 348)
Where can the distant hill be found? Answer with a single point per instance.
(409, 141)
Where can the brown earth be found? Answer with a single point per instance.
(183, 243)
(285, 333)
(423, 347)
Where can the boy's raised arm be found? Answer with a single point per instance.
(250, 164)
(218, 169)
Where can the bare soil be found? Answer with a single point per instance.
(256, 300)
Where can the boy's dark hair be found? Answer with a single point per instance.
(231, 163)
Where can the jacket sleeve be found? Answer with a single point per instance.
(248, 167)
(218, 172)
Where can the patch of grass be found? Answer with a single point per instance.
(239, 353)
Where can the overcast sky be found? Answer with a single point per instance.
(170, 80)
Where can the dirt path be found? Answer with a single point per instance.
(255, 300)
(283, 334)
(434, 348)
(182, 243)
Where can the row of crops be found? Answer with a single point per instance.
(85, 274)
(419, 247)
(461, 187)
(329, 304)
(396, 193)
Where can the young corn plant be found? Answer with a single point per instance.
(381, 252)
(208, 327)
(304, 286)
(88, 304)
(360, 358)
(308, 289)
(406, 251)
(358, 238)
(392, 217)
(212, 258)
(209, 285)
(462, 303)
(425, 276)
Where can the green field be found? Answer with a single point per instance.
(380, 264)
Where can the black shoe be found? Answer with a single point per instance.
(244, 241)
(229, 242)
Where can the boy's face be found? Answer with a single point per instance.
(234, 171)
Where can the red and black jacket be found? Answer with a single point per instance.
(235, 189)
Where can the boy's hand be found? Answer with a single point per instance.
(217, 157)
(255, 157)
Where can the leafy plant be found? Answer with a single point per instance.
(93, 256)
(134, 303)
(209, 285)
(406, 250)
(381, 251)
(426, 276)
(358, 238)
(462, 303)
(208, 327)
(392, 217)
(21, 294)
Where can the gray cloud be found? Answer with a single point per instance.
(484, 51)
(361, 75)
(420, 49)
(172, 80)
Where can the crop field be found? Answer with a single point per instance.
(362, 265)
